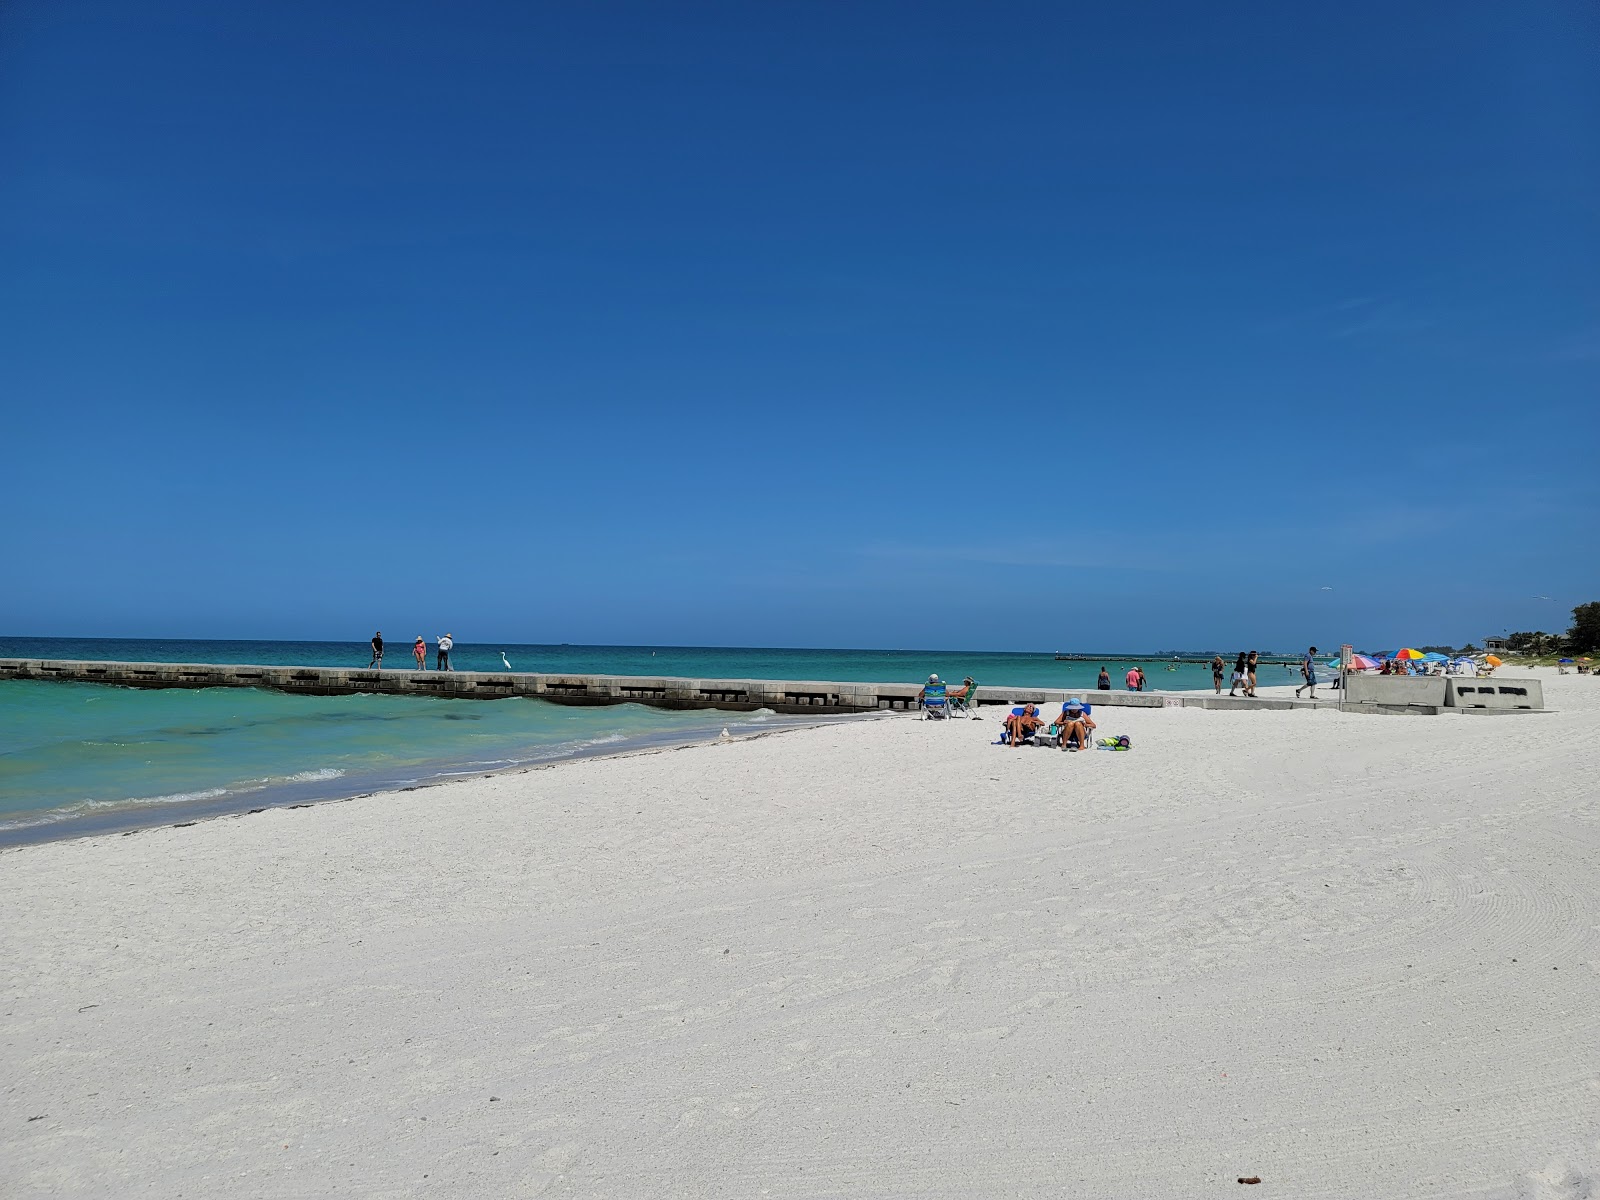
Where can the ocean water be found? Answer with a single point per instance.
(83, 758)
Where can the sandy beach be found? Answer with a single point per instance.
(1352, 956)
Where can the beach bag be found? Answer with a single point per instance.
(1120, 742)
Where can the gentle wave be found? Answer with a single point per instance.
(86, 807)
(69, 812)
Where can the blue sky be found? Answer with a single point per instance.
(1012, 326)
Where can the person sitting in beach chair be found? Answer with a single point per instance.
(1075, 726)
(933, 700)
(1021, 725)
(962, 698)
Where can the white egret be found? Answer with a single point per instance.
(505, 660)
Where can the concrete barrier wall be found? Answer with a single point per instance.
(1496, 694)
(736, 695)
(1412, 691)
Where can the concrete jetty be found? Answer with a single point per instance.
(733, 695)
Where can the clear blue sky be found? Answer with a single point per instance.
(973, 325)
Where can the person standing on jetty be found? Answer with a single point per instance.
(1238, 674)
(1105, 680)
(1250, 665)
(377, 650)
(1217, 667)
(419, 651)
(442, 661)
(1308, 668)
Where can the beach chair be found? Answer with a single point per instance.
(935, 704)
(961, 700)
(1059, 727)
(1041, 736)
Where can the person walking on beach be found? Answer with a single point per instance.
(1250, 665)
(420, 652)
(1132, 679)
(1142, 679)
(442, 661)
(377, 650)
(1308, 668)
(1238, 674)
(1105, 680)
(1217, 667)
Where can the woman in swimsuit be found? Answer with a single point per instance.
(1238, 673)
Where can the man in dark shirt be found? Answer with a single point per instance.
(1308, 668)
(377, 651)
(1217, 667)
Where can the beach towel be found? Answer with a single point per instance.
(1120, 742)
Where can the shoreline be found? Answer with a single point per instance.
(139, 816)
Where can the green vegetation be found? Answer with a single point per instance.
(1582, 638)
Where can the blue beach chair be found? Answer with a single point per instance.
(1085, 709)
(1039, 737)
(935, 704)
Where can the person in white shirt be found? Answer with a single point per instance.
(446, 643)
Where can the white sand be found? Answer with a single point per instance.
(1356, 956)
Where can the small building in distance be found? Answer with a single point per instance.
(1495, 645)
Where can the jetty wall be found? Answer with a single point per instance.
(734, 695)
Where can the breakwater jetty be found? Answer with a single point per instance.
(734, 695)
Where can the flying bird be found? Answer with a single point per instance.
(505, 660)
(1327, 589)
(1541, 597)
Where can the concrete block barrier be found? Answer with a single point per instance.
(1395, 691)
(1493, 694)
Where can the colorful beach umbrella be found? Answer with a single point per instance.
(1491, 660)
(1362, 663)
(1409, 655)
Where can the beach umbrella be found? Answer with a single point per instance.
(1491, 660)
(1409, 655)
(1359, 662)
(1435, 656)
(1564, 660)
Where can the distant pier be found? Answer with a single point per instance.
(790, 696)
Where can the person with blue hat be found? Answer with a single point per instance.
(1076, 721)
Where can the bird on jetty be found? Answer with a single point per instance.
(505, 660)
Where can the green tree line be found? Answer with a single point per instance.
(1582, 638)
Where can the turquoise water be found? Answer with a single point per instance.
(82, 757)
(700, 662)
